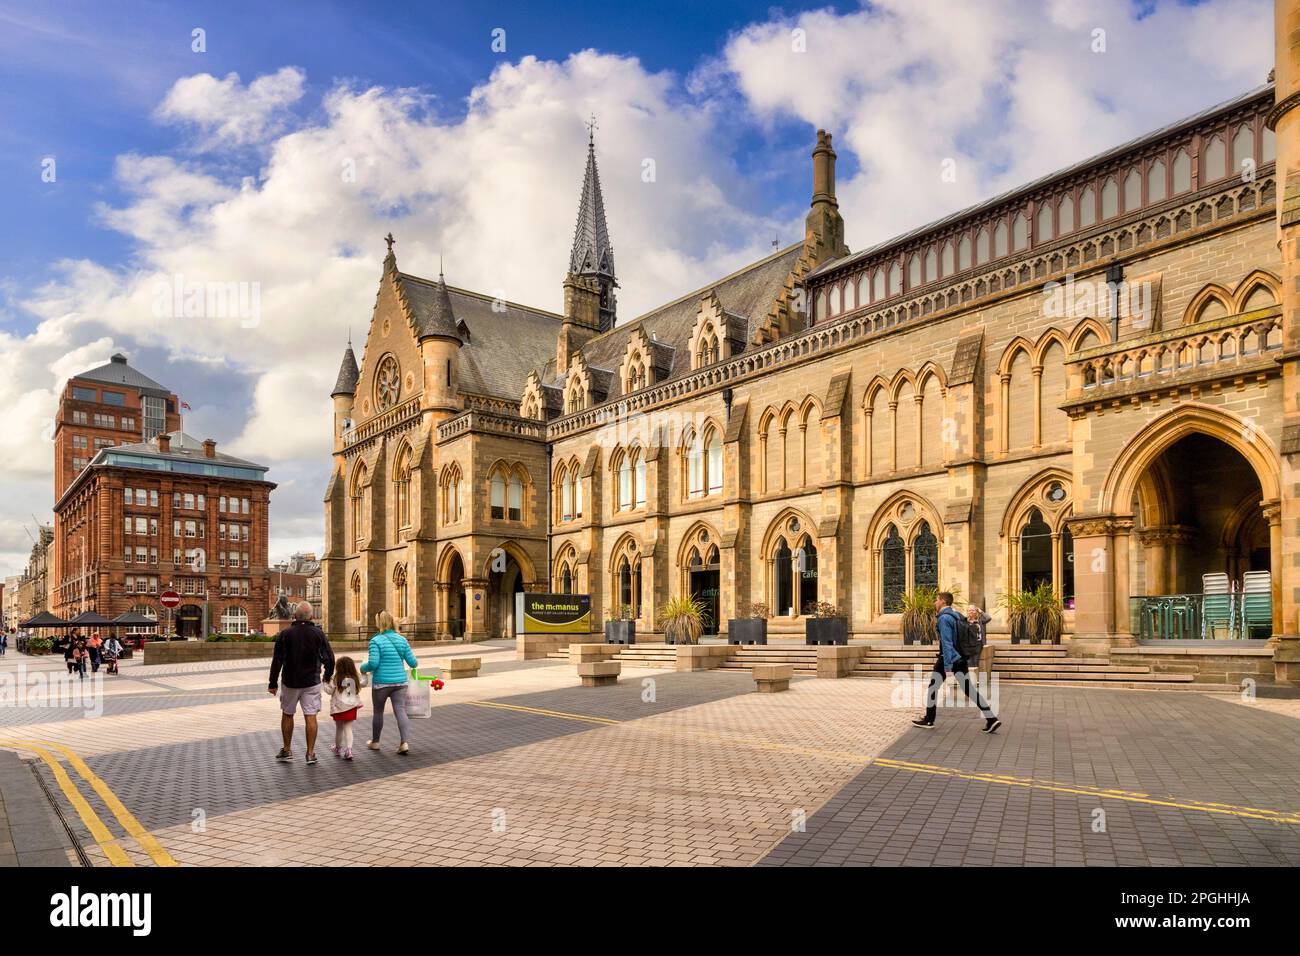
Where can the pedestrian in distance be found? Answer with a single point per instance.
(979, 621)
(4, 642)
(956, 642)
(345, 700)
(80, 654)
(69, 657)
(388, 651)
(301, 652)
(94, 647)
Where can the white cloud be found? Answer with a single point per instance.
(229, 113)
(1008, 89)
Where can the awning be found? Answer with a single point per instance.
(91, 619)
(135, 619)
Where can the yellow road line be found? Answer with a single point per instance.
(1128, 796)
(98, 832)
(129, 823)
(586, 718)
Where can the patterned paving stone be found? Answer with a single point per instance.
(1185, 748)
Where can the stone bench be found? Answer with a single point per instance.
(454, 668)
(598, 673)
(586, 653)
(773, 678)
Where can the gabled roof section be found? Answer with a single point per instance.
(747, 294)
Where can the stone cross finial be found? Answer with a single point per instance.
(390, 240)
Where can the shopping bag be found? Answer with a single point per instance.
(418, 698)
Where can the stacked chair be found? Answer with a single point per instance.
(1219, 607)
(1256, 603)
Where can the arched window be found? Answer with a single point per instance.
(1000, 240)
(1087, 206)
(913, 272)
(629, 584)
(1035, 551)
(695, 467)
(1065, 215)
(925, 558)
(713, 462)
(1156, 181)
(1182, 171)
(566, 580)
(234, 620)
(982, 247)
(1067, 568)
(1020, 232)
(1132, 190)
(1110, 199)
(575, 484)
(895, 279)
(402, 487)
(946, 260)
(566, 494)
(805, 566)
(963, 253)
(357, 504)
(781, 560)
(451, 495)
(1043, 231)
(625, 482)
(497, 492)
(1215, 160)
(638, 478)
(400, 608)
(893, 568)
(515, 501)
(356, 597)
(878, 285)
(1243, 149)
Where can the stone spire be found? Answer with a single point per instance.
(593, 256)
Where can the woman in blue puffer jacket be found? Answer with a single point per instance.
(388, 652)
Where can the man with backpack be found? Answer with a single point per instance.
(958, 642)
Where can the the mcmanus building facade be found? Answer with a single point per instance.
(1089, 381)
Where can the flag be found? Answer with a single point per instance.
(186, 405)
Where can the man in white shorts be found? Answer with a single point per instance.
(301, 651)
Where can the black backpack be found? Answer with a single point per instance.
(968, 638)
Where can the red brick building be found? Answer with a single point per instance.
(174, 513)
(109, 405)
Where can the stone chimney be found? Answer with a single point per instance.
(209, 448)
(824, 234)
(164, 442)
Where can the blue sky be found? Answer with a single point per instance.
(225, 166)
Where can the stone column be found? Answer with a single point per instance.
(1273, 515)
(1122, 635)
(476, 611)
(1094, 584)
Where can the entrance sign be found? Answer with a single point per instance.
(169, 599)
(553, 613)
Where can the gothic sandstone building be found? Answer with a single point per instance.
(1088, 381)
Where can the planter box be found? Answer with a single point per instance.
(620, 632)
(826, 630)
(1021, 634)
(749, 630)
(919, 635)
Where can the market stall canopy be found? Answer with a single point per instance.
(135, 619)
(91, 619)
(44, 619)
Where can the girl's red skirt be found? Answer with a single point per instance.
(347, 714)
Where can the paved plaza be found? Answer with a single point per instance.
(521, 766)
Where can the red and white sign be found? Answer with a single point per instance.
(169, 599)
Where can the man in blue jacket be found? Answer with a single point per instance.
(951, 659)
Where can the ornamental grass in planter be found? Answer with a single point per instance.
(1035, 617)
(684, 619)
(749, 626)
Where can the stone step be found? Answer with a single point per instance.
(1035, 668)
(1093, 676)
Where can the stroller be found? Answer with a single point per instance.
(110, 652)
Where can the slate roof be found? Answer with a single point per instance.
(747, 295)
(346, 383)
(184, 447)
(118, 372)
(500, 345)
(432, 305)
